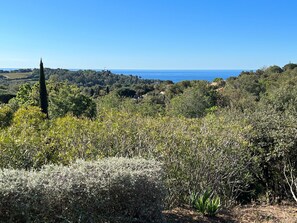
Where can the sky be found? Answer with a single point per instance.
(148, 34)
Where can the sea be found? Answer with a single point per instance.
(173, 75)
(180, 75)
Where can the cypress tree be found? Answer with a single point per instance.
(42, 91)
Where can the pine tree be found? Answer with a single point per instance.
(42, 91)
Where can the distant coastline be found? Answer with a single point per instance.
(173, 75)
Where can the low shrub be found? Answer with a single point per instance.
(109, 190)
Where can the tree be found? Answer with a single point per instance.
(289, 66)
(65, 98)
(126, 92)
(194, 102)
(274, 69)
(24, 96)
(42, 91)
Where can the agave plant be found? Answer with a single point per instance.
(213, 205)
(205, 204)
(202, 202)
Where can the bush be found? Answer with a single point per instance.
(6, 115)
(194, 102)
(126, 92)
(110, 190)
(213, 151)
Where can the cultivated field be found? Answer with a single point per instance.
(17, 75)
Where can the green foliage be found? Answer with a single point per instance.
(88, 78)
(108, 190)
(173, 90)
(146, 106)
(25, 96)
(70, 138)
(6, 114)
(205, 204)
(273, 69)
(193, 102)
(235, 138)
(274, 142)
(218, 79)
(243, 92)
(150, 107)
(289, 66)
(202, 202)
(21, 143)
(65, 99)
(213, 206)
(186, 147)
(110, 102)
(28, 117)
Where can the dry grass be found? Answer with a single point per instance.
(17, 75)
(239, 214)
(267, 214)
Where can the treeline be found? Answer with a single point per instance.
(94, 83)
(16, 71)
(89, 78)
(235, 137)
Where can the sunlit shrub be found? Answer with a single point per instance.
(110, 190)
(212, 151)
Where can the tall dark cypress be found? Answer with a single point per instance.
(42, 91)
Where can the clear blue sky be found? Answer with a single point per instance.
(148, 34)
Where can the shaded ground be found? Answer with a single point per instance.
(244, 214)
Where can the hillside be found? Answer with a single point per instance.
(219, 145)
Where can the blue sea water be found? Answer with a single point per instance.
(180, 75)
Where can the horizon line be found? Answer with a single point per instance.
(136, 69)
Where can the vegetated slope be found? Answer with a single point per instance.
(90, 80)
(235, 137)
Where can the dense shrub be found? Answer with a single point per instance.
(63, 99)
(110, 190)
(21, 149)
(290, 66)
(126, 92)
(197, 153)
(6, 114)
(274, 145)
(194, 102)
